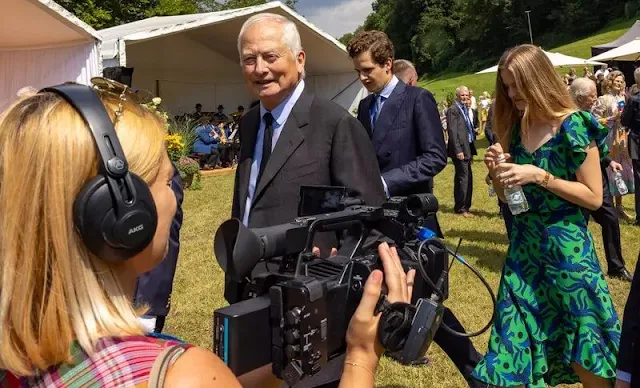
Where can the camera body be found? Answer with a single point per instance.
(296, 317)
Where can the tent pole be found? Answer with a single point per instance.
(157, 88)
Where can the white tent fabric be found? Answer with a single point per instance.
(557, 60)
(42, 44)
(627, 52)
(191, 59)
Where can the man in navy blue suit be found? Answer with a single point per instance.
(402, 121)
(405, 128)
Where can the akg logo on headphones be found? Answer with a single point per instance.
(136, 229)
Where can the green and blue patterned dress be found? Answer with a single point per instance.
(554, 306)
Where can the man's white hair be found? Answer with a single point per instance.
(461, 89)
(581, 87)
(290, 34)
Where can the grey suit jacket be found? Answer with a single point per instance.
(458, 134)
(320, 144)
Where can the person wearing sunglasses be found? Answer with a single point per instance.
(66, 313)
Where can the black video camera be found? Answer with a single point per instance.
(296, 316)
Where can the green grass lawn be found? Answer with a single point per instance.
(443, 84)
(198, 288)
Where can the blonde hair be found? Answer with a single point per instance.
(537, 82)
(607, 84)
(53, 291)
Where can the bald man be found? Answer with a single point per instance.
(405, 71)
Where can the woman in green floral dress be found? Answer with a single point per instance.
(555, 320)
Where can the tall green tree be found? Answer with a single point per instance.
(108, 13)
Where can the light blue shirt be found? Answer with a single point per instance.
(280, 115)
(384, 96)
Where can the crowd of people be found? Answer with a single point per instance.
(217, 141)
(71, 260)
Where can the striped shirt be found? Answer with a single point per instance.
(117, 362)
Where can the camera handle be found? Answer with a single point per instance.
(338, 225)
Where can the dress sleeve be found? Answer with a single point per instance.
(582, 129)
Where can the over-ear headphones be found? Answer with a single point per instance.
(114, 212)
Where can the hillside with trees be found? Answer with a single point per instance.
(101, 14)
(464, 35)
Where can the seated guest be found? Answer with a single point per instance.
(219, 116)
(197, 114)
(66, 317)
(206, 145)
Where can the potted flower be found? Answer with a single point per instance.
(179, 141)
(189, 169)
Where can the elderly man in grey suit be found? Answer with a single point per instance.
(292, 138)
(461, 147)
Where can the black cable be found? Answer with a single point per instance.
(440, 294)
(421, 265)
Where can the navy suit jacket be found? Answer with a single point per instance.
(407, 138)
(154, 287)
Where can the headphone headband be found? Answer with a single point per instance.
(92, 110)
(114, 212)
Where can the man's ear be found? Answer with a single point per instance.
(301, 60)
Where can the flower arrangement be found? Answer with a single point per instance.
(179, 141)
(189, 169)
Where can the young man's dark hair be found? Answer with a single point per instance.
(375, 42)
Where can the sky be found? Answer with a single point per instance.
(336, 17)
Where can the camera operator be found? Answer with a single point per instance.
(81, 323)
(416, 154)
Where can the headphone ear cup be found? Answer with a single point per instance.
(110, 236)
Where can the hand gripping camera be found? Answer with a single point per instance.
(295, 316)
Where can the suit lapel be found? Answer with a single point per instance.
(366, 113)
(290, 139)
(249, 131)
(388, 115)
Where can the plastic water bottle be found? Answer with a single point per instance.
(515, 196)
(622, 187)
(492, 190)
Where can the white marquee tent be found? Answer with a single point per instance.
(193, 59)
(42, 44)
(557, 60)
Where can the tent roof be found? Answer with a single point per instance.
(632, 33)
(40, 23)
(557, 60)
(218, 31)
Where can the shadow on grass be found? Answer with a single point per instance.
(491, 259)
(482, 213)
(479, 236)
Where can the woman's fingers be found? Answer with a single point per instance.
(411, 277)
(370, 296)
(395, 278)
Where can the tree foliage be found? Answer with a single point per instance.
(108, 13)
(462, 35)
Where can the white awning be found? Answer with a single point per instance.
(191, 59)
(627, 52)
(42, 44)
(557, 60)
